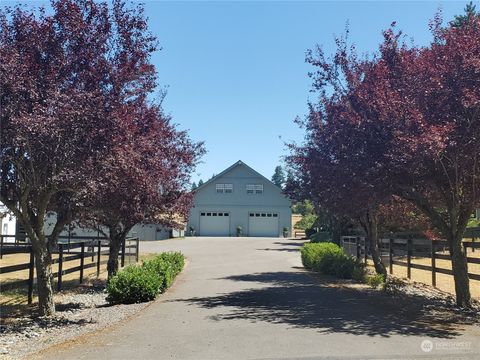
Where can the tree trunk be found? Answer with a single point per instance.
(460, 271)
(371, 228)
(43, 263)
(116, 242)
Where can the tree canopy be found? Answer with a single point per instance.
(403, 123)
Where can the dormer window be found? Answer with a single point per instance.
(224, 188)
(255, 189)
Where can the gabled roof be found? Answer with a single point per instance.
(238, 163)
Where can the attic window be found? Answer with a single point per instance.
(258, 189)
(224, 188)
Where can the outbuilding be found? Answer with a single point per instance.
(240, 201)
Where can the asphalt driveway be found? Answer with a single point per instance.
(248, 298)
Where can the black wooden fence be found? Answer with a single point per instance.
(401, 251)
(92, 252)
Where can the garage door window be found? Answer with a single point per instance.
(213, 214)
(263, 215)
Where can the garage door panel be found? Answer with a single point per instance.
(214, 223)
(263, 224)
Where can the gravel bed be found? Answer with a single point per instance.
(79, 311)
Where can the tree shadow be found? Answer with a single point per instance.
(299, 300)
(297, 243)
(281, 249)
(286, 246)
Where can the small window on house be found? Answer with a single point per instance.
(251, 215)
(250, 189)
(220, 188)
(264, 215)
(258, 189)
(209, 214)
(257, 215)
(275, 215)
(214, 214)
(228, 188)
(202, 214)
(269, 215)
(225, 214)
(220, 214)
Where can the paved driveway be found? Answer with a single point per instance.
(248, 298)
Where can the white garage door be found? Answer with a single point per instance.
(214, 223)
(263, 224)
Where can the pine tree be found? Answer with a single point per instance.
(278, 177)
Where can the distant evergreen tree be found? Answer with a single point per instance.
(278, 177)
(194, 186)
(200, 183)
(460, 20)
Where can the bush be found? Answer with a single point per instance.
(176, 259)
(133, 284)
(375, 280)
(328, 258)
(167, 266)
(137, 283)
(359, 273)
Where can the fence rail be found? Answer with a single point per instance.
(81, 248)
(406, 249)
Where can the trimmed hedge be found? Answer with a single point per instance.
(140, 283)
(329, 258)
(167, 266)
(133, 284)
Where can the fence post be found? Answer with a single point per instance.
(60, 266)
(434, 274)
(365, 251)
(473, 243)
(137, 250)
(82, 260)
(390, 255)
(409, 258)
(1, 246)
(357, 240)
(123, 252)
(99, 251)
(30, 276)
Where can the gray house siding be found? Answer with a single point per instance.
(271, 204)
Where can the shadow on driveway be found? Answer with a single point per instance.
(298, 299)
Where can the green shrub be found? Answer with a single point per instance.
(176, 259)
(359, 273)
(328, 258)
(167, 266)
(375, 280)
(136, 283)
(133, 284)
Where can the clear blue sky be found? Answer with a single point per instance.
(236, 73)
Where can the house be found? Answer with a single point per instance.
(8, 224)
(240, 198)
